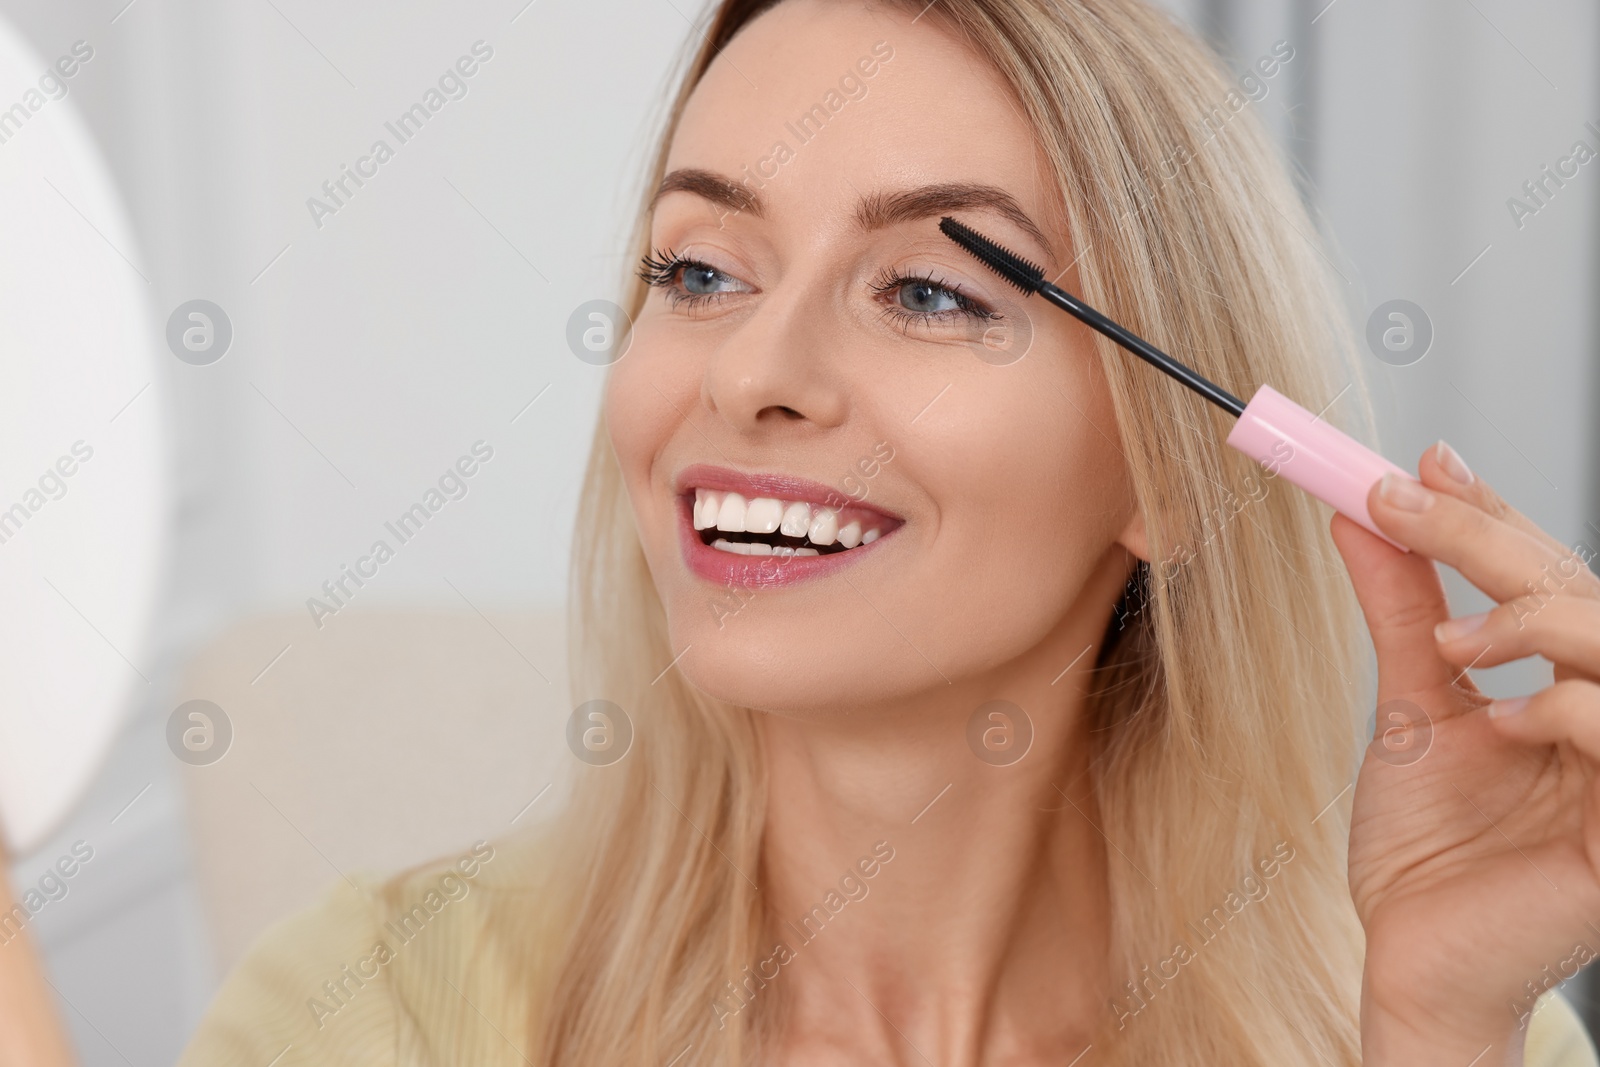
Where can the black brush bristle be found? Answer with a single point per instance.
(1004, 262)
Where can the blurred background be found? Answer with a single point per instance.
(316, 353)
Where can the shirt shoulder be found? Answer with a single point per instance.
(267, 1010)
(427, 966)
(1557, 1036)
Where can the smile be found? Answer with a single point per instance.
(768, 526)
(770, 529)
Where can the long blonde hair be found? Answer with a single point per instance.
(1227, 713)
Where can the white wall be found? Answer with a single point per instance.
(419, 319)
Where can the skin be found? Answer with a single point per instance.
(30, 1030)
(1019, 531)
(1464, 900)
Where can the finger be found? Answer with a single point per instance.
(1442, 468)
(1490, 553)
(1562, 629)
(1402, 600)
(1567, 711)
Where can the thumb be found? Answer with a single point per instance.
(1402, 599)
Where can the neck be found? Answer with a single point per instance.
(937, 906)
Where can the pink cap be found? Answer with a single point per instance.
(1287, 439)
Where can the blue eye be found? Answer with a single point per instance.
(911, 300)
(926, 298)
(684, 280)
(921, 300)
(700, 279)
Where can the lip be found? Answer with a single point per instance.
(726, 569)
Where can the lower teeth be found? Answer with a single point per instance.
(760, 548)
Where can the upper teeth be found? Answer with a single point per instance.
(762, 514)
(796, 519)
(732, 513)
(729, 516)
(824, 528)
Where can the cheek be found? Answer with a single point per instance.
(628, 415)
(645, 393)
(642, 397)
(1033, 494)
(1035, 468)
(1065, 485)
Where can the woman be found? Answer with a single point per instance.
(1045, 755)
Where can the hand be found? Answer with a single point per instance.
(30, 1030)
(1475, 831)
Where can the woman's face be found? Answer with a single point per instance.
(818, 366)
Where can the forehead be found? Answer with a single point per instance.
(821, 102)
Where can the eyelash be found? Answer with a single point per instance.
(661, 268)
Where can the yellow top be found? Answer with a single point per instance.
(397, 973)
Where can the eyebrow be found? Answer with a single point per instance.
(710, 186)
(875, 211)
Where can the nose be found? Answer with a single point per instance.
(780, 371)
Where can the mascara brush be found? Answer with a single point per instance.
(1272, 429)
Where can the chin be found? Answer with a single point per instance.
(778, 658)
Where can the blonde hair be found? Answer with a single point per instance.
(1228, 710)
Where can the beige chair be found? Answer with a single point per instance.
(381, 740)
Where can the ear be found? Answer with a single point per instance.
(1133, 537)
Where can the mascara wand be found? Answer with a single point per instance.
(1272, 429)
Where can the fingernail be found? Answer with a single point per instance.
(1502, 708)
(1403, 492)
(1451, 463)
(1451, 629)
